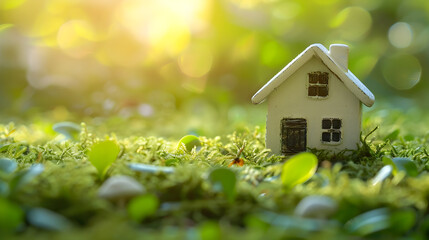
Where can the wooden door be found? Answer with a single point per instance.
(293, 135)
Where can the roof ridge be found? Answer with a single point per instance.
(348, 78)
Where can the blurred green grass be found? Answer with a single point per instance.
(69, 183)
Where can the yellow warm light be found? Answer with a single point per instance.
(72, 39)
(161, 24)
(244, 47)
(11, 4)
(196, 61)
(122, 50)
(247, 3)
(45, 25)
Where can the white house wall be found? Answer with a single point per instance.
(290, 100)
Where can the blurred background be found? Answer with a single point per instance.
(153, 58)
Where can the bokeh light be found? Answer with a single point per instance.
(196, 61)
(353, 23)
(74, 38)
(400, 35)
(402, 71)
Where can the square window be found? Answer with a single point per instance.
(326, 124)
(323, 91)
(312, 91)
(331, 130)
(323, 78)
(326, 137)
(336, 136)
(336, 123)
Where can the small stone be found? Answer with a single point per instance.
(320, 207)
(120, 189)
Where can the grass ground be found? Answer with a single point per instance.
(190, 206)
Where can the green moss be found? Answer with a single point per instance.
(190, 204)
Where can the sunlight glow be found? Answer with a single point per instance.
(73, 38)
(11, 4)
(196, 61)
(162, 23)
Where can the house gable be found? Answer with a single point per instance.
(317, 50)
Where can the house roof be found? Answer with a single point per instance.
(347, 77)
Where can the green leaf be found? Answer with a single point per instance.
(402, 220)
(7, 165)
(298, 169)
(23, 177)
(11, 215)
(142, 206)
(102, 155)
(402, 164)
(189, 142)
(393, 135)
(210, 231)
(369, 222)
(69, 129)
(224, 180)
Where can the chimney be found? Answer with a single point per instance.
(340, 54)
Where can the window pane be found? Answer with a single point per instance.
(312, 78)
(323, 91)
(336, 136)
(323, 78)
(336, 123)
(312, 91)
(326, 137)
(326, 124)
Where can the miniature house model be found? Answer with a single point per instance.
(314, 102)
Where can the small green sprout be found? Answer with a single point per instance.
(102, 155)
(188, 142)
(298, 169)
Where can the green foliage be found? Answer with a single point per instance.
(369, 222)
(196, 195)
(11, 216)
(142, 206)
(102, 155)
(210, 231)
(298, 169)
(402, 220)
(402, 164)
(189, 142)
(224, 180)
(21, 178)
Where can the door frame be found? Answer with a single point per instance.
(288, 126)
